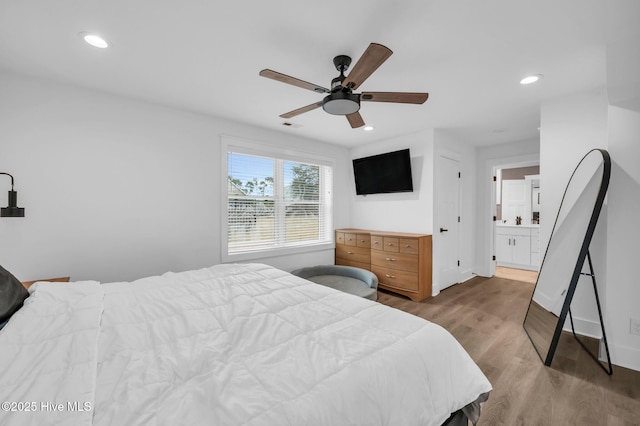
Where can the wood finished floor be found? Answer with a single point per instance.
(486, 316)
(517, 274)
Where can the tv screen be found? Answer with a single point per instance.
(383, 173)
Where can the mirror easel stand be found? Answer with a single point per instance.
(591, 274)
(587, 186)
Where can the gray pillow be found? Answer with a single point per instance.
(12, 294)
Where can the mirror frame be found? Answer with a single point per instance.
(582, 256)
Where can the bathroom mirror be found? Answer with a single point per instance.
(566, 252)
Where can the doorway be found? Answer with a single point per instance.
(515, 204)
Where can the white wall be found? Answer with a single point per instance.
(400, 212)
(623, 286)
(445, 144)
(571, 127)
(522, 153)
(116, 189)
(623, 290)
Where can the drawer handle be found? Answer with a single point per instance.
(390, 244)
(362, 241)
(408, 246)
(390, 259)
(375, 242)
(349, 252)
(390, 276)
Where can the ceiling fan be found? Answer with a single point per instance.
(341, 100)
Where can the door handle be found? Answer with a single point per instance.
(443, 230)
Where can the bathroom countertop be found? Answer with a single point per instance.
(510, 225)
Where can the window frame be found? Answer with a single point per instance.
(248, 147)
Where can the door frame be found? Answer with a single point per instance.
(492, 165)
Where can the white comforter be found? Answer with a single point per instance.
(227, 345)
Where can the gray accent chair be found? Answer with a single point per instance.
(348, 279)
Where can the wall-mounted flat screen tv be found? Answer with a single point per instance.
(383, 173)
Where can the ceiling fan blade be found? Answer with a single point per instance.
(355, 120)
(283, 78)
(302, 110)
(397, 97)
(371, 59)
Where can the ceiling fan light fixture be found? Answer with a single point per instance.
(341, 103)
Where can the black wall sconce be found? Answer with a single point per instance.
(12, 210)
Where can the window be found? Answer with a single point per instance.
(275, 202)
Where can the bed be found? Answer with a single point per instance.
(240, 344)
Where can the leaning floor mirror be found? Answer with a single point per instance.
(567, 257)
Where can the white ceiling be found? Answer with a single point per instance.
(205, 56)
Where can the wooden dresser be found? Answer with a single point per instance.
(401, 261)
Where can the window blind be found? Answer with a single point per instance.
(276, 202)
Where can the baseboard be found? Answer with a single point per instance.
(462, 277)
(624, 356)
(466, 275)
(584, 327)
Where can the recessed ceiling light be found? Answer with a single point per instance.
(368, 128)
(94, 40)
(531, 79)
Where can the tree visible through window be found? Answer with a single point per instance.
(276, 203)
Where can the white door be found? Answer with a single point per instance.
(449, 227)
(522, 250)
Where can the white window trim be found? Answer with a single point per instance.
(245, 146)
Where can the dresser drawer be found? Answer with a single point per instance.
(391, 244)
(347, 262)
(409, 245)
(354, 254)
(350, 239)
(377, 242)
(397, 261)
(339, 237)
(363, 240)
(398, 279)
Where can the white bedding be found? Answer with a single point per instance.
(227, 345)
